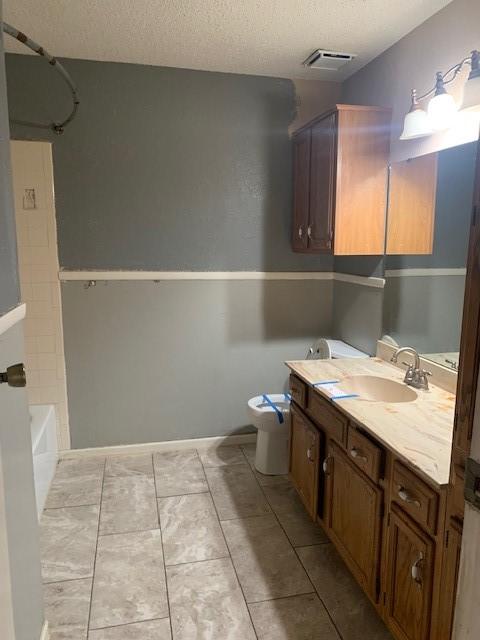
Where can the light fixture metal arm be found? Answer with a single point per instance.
(58, 127)
(455, 70)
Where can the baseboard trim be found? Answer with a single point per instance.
(45, 634)
(167, 445)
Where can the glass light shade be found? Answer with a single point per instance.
(442, 110)
(416, 125)
(471, 95)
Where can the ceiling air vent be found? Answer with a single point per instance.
(329, 60)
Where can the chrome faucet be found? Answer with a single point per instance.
(414, 375)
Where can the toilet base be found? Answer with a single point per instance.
(272, 453)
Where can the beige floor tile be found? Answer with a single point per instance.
(236, 492)
(221, 456)
(297, 524)
(129, 583)
(128, 504)
(68, 538)
(190, 529)
(249, 450)
(129, 465)
(349, 608)
(67, 606)
(178, 473)
(297, 618)
(265, 561)
(77, 482)
(151, 630)
(206, 602)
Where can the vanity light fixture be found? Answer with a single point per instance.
(442, 108)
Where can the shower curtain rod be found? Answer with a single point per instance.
(58, 127)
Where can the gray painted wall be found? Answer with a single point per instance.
(357, 315)
(437, 44)
(167, 168)
(9, 285)
(171, 360)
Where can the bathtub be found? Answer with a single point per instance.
(43, 425)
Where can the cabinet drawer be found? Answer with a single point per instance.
(364, 453)
(415, 497)
(298, 390)
(333, 422)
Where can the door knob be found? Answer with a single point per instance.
(14, 376)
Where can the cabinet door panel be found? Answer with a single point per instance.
(301, 189)
(353, 510)
(451, 565)
(304, 457)
(322, 184)
(409, 580)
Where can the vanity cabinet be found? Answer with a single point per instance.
(386, 519)
(409, 578)
(353, 516)
(305, 460)
(340, 162)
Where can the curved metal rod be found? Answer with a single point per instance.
(455, 70)
(58, 127)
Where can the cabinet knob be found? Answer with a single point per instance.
(300, 232)
(310, 455)
(355, 453)
(406, 497)
(416, 570)
(325, 465)
(309, 231)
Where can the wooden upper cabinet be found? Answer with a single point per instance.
(322, 176)
(301, 189)
(411, 207)
(340, 193)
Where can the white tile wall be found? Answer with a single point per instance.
(40, 288)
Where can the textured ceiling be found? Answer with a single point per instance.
(261, 37)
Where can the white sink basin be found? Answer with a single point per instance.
(377, 389)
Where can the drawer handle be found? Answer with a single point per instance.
(357, 455)
(404, 495)
(416, 570)
(310, 455)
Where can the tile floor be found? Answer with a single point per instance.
(191, 545)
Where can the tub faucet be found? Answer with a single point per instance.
(414, 375)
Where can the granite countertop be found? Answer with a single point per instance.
(419, 432)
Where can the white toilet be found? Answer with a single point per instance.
(270, 414)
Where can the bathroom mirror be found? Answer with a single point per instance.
(429, 211)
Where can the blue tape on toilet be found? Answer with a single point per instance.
(288, 397)
(274, 407)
